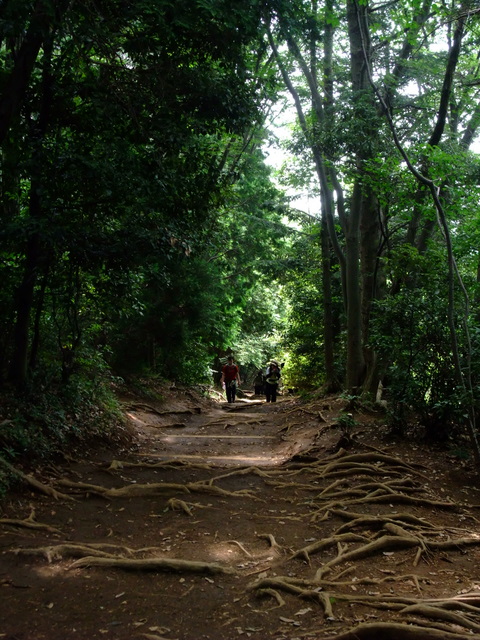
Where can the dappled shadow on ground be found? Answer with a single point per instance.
(246, 520)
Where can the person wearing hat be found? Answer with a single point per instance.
(230, 378)
(272, 378)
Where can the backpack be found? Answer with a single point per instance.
(272, 377)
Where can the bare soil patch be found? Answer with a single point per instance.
(244, 521)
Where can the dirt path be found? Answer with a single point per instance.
(215, 525)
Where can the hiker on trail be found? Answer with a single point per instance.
(272, 378)
(259, 383)
(230, 378)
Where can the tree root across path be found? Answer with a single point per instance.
(153, 564)
(29, 523)
(393, 537)
(154, 489)
(150, 409)
(392, 631)
(171, 464)
(33, 482)
(458, 611)
(95, 555)
(68, 550)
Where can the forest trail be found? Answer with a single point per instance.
(244, 521)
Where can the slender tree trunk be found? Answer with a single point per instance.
(370, 229)
(24, 300)
(36, 325)
(331, 381)
(355, 360)
(477, 294)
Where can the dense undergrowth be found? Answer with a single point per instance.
(40, 423)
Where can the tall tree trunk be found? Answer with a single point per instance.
(370, 230)
(332, 383)
(363, 224)
(24, 299)
(16, 84)
(38, 316)
(355, 360)
(34, 251)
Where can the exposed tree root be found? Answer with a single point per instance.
(152, 564)
(60, 551)
(410, 577)
(153, 489)
(200, 487)
(213, 423)
(221, 421)
(291, 485)
(241, 422)
(241, 547)
(316, 413)
(264, 516)
(383, 544)
(29, 523)
(370, 457)
(278, 583)
(179, 505)
(233, 408)
(149, 408)
(454, 611)
(128, 491)
(377, 522)
(395, 631)
(400, 539)
(95, 555)
(239, 472)
(273, 543)
(356, 582)
(273, 593)
(36, 484)
(439, 613)
(171, 464)
(398, 498)
(289, 426)
(325, 543)
(343, 471)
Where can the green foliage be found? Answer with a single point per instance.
(346, 423)
(46, 420)
(253, 352)
(303, 328)
(132, 133)
(410, 334)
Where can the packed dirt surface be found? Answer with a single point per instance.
(250, 520)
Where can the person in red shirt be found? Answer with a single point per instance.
(230, 377)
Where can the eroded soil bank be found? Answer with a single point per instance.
(244, 521)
